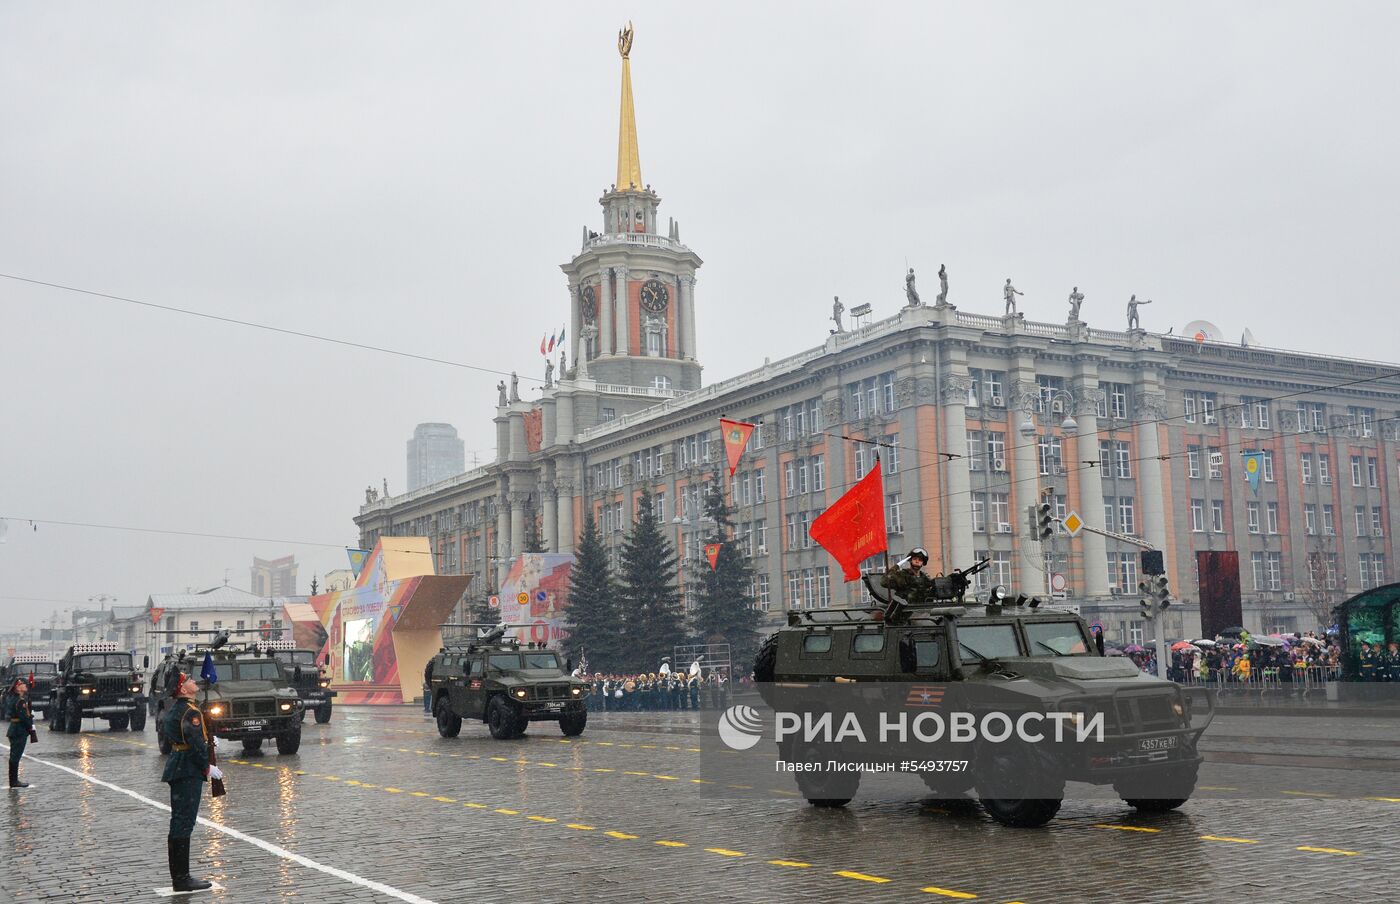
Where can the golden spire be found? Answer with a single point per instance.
(629, 159)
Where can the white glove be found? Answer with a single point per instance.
(215, 739)
(215, 772)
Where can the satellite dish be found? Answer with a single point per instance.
(1203, 331)
(1248, 338)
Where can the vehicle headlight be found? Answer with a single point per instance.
(520, 693)
(87, 690)
(325, 682)
(216, 710)
(136, 688)
(1178, 708)
(286, 707)
(576, 691)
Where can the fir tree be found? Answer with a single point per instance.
(594, 623)
(724, 611)
(651, 602)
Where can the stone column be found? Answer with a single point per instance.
(959, 480)
(605, 313)
(688, 317)
(503, 532)
(517, 523)
(517, 435)
(1150, 408)
(547, 421)
(502, 435)
(549, 506)
(565, 505)
(1026, 486)
(564, 418)
(623, 345)
(1094, 547)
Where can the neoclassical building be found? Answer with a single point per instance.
(979, 417)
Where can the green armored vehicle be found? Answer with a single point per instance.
(96, 680)
(497, 680)
(253, 699)
(41, 666)
(312, 683)
(991, 659)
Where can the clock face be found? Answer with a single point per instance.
(589, 303)
(654, 296)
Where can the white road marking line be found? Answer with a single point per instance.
(273, 849)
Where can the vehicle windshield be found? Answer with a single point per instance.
(249, 670)
(38, 668)
(297, 657)
(93, 662)
(991, 641)
(505, 661)
(1056, 639)
(541, 661)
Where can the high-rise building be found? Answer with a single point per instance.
(435, 453)
(275, 577)
(1184, 443)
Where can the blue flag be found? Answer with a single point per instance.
(1253, 462)
(208, 673)
(357, 559)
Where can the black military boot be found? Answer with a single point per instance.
(14, 777)
(184, 882)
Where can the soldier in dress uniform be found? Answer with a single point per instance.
(186, 770)
(1366, 664)
(1392, 662)
(20, 721)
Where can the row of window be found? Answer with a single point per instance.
(809, 588)
(804, 475)
(869, 397)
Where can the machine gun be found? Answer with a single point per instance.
(925, 590)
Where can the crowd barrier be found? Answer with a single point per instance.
(1302, 681)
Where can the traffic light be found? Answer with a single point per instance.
(1145, 608)
(1161, 589)
(1044, 521)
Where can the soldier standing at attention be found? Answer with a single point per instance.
(21, 726)
(185, 771)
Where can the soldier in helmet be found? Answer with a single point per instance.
(907, 578)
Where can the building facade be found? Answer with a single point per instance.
(434, 453)
(274, 577)
(977, 419)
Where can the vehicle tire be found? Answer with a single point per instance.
(252, 745)
(1022, 814)
(289, 742)
(1167, 791)
(118, 723)
(73, 719)
(572, 724)
(766, 661)
(138, 719)
(826, 790)
(449, 724)
(500, 719)
(323, 713)
(302, 716)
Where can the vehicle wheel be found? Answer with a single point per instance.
(118, 723)
(323, 714)
(572, 724)
(947, 785)
(500, 719)
(449, 724)
(1159, 793)
(289, 742)
(51, 716)
(1021, 814)
(73, 719)
(766, 661)
(822, 789)
(252, 745)
(302, 717)
(138, 719)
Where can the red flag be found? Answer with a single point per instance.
(712, 553)
(736, 436)
(543, 340)
(853, 528)
(155, 615)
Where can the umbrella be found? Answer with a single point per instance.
(1204, 643)
(1133, 648)
(1266, 641)
(1181, 645)
(1112, 651)
(1236, 631)
(1313, 641)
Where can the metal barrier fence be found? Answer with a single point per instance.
(1303, 681)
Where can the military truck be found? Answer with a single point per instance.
(41, 666)
(313, 685)
(96, 680)
(999, 655)
(252, 699)
(506, 684)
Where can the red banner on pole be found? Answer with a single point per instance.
(712, 553)
(853, 529)
(155, 615)
(736, 436)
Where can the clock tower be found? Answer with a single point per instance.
(632, 290)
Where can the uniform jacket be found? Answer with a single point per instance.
(184, 726)
(18, 716)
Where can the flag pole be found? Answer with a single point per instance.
(884, 515)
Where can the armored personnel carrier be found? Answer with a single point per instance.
(996, 656)
(497, 680)
(312, 683)
(96, 680)
(41, 666)
(252, 699)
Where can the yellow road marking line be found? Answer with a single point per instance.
(784, 793)
(475, 806)
(798, 864)
(580, 826)
(948, 893)
(500, 759)
(419, 793)
(622, 835)
(669, 747)
(1104, 825)
(726, 852)
(332, 778)
(672, 844)
(603, 743)
(668, 778)
(550, 765)
(1215, 788)
(298, 772)
(507, 812)
(446, 800)
(352, 782)
(693, 749)
(602, 770)
(647, 746)
(740, 787)
(636, 773)
(850, 874)
(394, 790)
(1322, 850)
(415, 793)
(700, 781)
(1228, 838)
(1309, 793)
(1389, 800)
(542, 818)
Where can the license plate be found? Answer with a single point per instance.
(1168, 743)
(125, 700)
(554, 707)
(254, 723)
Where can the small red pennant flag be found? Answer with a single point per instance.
(736, 436)
(712, 553)
(155, 615)
(853, 528)
(543, 339)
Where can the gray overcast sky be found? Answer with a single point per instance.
(412, 175)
